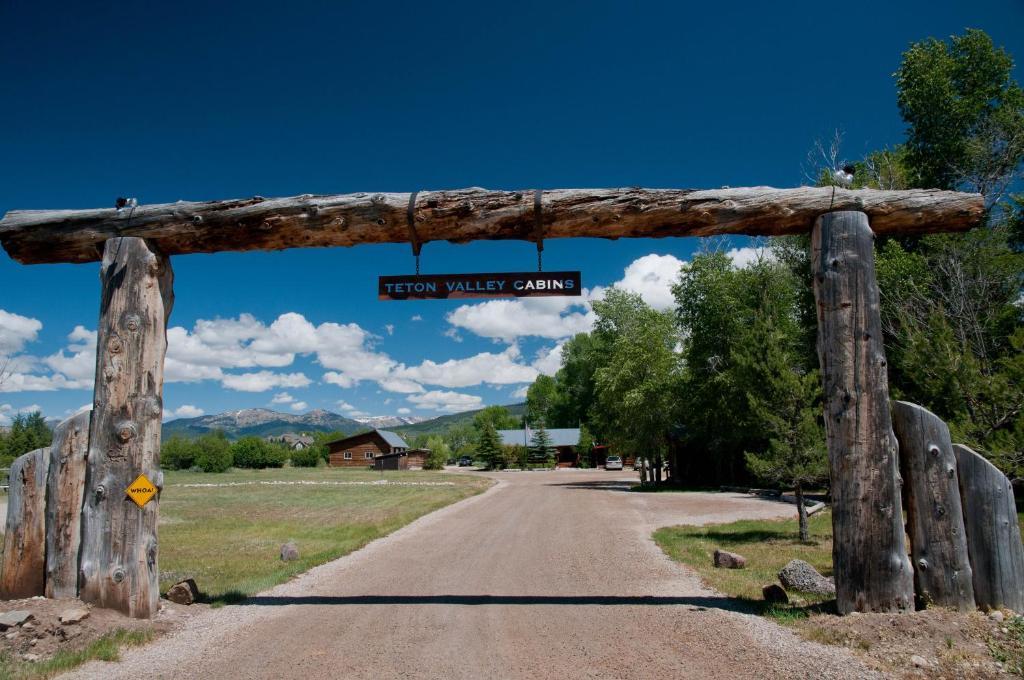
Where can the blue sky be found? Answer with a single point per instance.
(201, 101)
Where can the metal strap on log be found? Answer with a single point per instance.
(935, 518)
(41, 236)
(993, 534)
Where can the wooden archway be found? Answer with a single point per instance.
(113, 560)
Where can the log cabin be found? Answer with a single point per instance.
(359, 450)
(411, 459)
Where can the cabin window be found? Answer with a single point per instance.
(368, 454)
(348, 455)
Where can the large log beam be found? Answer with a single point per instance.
(46, 236)
(869, 556)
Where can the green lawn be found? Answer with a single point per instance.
(228, 538)
(767, 544)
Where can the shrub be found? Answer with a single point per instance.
(213, 452)
(308, 457)
(253, 452)
(177, 453)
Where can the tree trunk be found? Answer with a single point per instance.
(463, 215)
(935, 518)
(872, 570)
(993, 534)
(119, 539)
(801, 514)
(657, 470)
(65, 488)
(24, 559)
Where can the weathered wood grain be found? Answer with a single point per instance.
(993, 534)
(119, 539)
(34, 237)
(24, 562)
(64, 488)
(872, 569)
(935, 517)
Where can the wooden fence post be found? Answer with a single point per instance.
(119, 539)
(993, 534)
(872, 569)
(64, 488)
(935, 517)
(24, 563)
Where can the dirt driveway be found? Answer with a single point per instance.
(546, 575)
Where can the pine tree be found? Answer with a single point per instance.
(541, 450)
(489, 446)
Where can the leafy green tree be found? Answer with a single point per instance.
(177, 453)
(585, 445)
(440, 453)
(784, 399)
(542, 400)
(488, 446)
(28, 432)
(212, 452)
(307, 457)
(257, 453)
(541, 450)
(496, 416)
(964, 111)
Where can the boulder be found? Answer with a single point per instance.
(799, 575)
(289, 552)
(773, 592)
(71, 616)
(728, 560)
(14, 618)
(183, 592)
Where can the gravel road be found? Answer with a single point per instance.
(546, 575)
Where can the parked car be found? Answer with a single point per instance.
(613, 463)
(465, 461)
(638, 463)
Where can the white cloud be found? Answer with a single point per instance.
(400, 385)
(451, 402)
(282, 398)
(390, 328)
(261, 381)
(416, 317)
(358, 414)
(507, 320)
(651, 277)
(741, 257)
(184, 411)
(453, 334)
(486, 367)
(16, 331)
(520, 393)
(299, 406)
(345, 406)
(8, 412)
(549, 360)
(404, 411)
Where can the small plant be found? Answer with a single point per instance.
(1009, 649)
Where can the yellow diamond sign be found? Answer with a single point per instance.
(141, 490)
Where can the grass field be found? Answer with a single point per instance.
(767, 544)
(228, 538)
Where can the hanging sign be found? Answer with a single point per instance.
(499, 285)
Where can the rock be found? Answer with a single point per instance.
(30, 657)
(773, 592)
(289, 552)
(71, 616)
(799, 575)
(11, 635)
(996, 616)
(14, 618)
(920, 661)
(28, 626)
(728, 560)
(183, 592)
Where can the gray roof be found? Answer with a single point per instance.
(568, 436)
(393, 439)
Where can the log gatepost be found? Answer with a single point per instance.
(119, 539)
(872, 570)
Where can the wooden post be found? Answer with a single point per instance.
(993, 535)
(935, 518)
(119, 539)
(64, 488)
(24, 562)
(872, 570)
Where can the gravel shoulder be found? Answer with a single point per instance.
(545, 575)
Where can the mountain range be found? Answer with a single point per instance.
(262, 422)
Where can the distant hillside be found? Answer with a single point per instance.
(261, 422)
(444, 423)
(385, 422)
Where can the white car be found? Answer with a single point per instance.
(613, 463)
